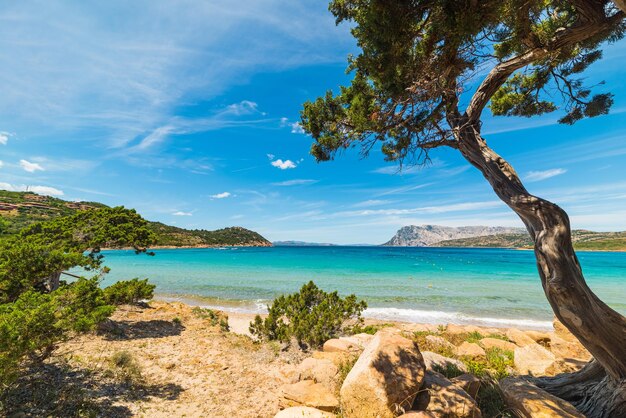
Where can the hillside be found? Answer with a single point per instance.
(428, 235)
(20, 209)
(498, 237)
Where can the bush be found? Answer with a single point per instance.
(312, 316)
(32, 326)
(215, 317)
(129, 292)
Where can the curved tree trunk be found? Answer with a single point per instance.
(598, 327)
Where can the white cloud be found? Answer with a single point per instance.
(296, 128)
(283, 165)
(296, 182)
(1, 164)
(181, 213)
(270, 156)
(533, 176)
(221, 195)
(4, 138)
(245, 107)
(45, 190)
(30, 167)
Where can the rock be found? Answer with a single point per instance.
(337, 345)
(337, 357)
(488, 343)
(434, 361)
(439, 342)
(533, 402)
(539, 337)
(561, 331)
(385, 379)
(534, 359)
(469, 383)
(322, 371)
(442, 398)
(308, 393)
(303, 412)
(519, 337)
(417, 414)
(358, 340)
(569, 350)
(470, 350)
(462, 329)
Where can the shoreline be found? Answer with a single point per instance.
(241, 317)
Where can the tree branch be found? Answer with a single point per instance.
(501, 72)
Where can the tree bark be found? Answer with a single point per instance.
(598, 327)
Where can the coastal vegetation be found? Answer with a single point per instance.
(426, 72)
(38, 310)
(21, 209)
(311, 316)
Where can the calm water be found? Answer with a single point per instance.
(430, 285)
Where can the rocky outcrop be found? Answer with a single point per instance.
(488, 343)
(439, 342)
(472, 350)
(427, 235)
(303, 412)
(520, 338)
(469, 383)
(337, 345)
(385, 379)
(442, 398)
(322, 371)
(529, 401)
(308, 393)
(434, 361)
(534, 359)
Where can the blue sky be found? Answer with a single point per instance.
(187, 112)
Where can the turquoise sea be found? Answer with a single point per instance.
(496, 287)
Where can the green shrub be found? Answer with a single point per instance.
(129, 292)
(215, 317)
(125, 368)
(312, 316)
(369, 329)
(496, 364)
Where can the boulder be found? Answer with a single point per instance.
(519, 337)
(337, 345)
(539, 337)
(532, 402)
(469, 383)
(488, 343)
(470, 350)
(561, 331)
(434, 361)
(534, 359)
(337, 357)
(439, 342)
(303, 412)
(385, 379)
(358, 340)
(322, 371)
(308, 393)
(417, 414)
(462, 329)
(442, 398)
(569, 350)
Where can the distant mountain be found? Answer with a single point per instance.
(498, 237)
(429, 235)
(20, 209)
(301, 244)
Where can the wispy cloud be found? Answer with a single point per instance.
(181, 213)
(296, 182)
(1, 163)
(30, 166)
(283, 165)
(533, 176)
(45, 190)
(223, 195)
(4, 138)
(371, 202)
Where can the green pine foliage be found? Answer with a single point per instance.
(311, 316)
(37, 309)
(129, 292)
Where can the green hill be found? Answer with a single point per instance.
(20, 209)
(583, 241)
